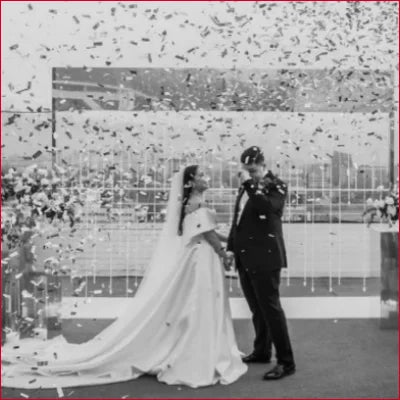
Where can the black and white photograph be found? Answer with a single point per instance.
(199, 199)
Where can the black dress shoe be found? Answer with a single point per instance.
(255, 358)
(279, 372)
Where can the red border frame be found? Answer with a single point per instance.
(234, 1)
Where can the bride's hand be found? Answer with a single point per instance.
(231, 257)
(227, 260)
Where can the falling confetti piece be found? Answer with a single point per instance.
(26, 89)
(37, 154)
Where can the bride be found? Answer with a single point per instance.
(177, 327)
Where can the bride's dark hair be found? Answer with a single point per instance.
(188, 176)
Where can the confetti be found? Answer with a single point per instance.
(223, 33)
(37, 154)
(26, 89)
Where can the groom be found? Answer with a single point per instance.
(256, 243)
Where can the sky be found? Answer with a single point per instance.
(59, 34)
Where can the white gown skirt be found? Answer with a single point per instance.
(179, 329)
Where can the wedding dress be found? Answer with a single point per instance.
(177, 327)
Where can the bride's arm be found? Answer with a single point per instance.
(222, 237)
(215, 242)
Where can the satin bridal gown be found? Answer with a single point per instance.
(178, 328)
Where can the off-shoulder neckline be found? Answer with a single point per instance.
(197, 209)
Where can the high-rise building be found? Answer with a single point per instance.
(371, 176)
(343, 170)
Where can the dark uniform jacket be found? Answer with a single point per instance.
(257, 239)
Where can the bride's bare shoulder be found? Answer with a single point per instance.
(192, 207)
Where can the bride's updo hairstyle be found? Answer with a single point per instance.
(188, 176)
